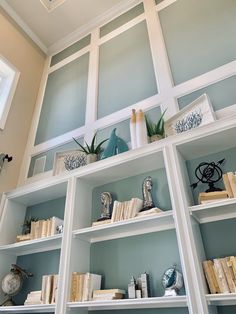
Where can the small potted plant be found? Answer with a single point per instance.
(156, 131)
(91, 151)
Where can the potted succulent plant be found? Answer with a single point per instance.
(156, 131)
(91, 151)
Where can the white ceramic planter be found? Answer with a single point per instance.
(91, 158)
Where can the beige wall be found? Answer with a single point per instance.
(23, 54)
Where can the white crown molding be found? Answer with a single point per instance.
(12, 13)
(86, 28)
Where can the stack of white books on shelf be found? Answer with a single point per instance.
(49, 289)
(41, 229)
(126, 210)
(83, 285)
(33, 298)
(108, 294)
(229, 179)
(221, 274)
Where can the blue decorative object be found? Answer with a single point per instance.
(115, 146)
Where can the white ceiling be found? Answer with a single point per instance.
(51, 28)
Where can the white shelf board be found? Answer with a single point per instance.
(221, 299)
(33, 246)
(41, 308)
(159, 302)
(220, 210)
(139, 225)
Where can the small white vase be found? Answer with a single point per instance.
(91, 158)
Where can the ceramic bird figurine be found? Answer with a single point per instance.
(115, 146)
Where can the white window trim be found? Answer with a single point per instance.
(10, 76)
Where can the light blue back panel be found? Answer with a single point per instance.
(121, 20)
(226, 309)
(50, 156)
(125, 189)
(221, 94)
(229, 165)
(199, 36)
(126, 73)
(148, 311)
(117, 260)
(70, 50)
(64, 102)
(47, 209)
(45, 263)
(158, 1)
(218, 238)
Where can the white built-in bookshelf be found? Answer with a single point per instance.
(175, 235)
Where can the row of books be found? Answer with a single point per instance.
(229, 179)
(48, 293)
(49, 289)
(41, 228)
(221, 274)
(83, 285)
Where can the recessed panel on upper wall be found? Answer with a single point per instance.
(199, 36)
(126, 73)
(64, 102)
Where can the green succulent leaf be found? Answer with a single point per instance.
(98, 148)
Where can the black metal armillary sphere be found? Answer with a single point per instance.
(209, 173)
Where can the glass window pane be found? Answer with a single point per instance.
(71, 49)
(126, 73)
(199, 36)
(221, 94)
(122, 19)
(64, 102)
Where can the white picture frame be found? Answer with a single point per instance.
(196, 114)
(59, 157)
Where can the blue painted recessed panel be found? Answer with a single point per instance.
(199, 36)
(126, 73)
(63, 108)
(221, 94)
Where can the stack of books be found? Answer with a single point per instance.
(83, 285)
(33, 298)
(49, 289)
(229, 179)
(126, 210)
(205, 198)
(109, 294)
(41, 228)
(221, 274)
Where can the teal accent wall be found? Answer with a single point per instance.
(117, 260)
(126, 73)
(71, 50)
(50, 156)
(226, 309)
(44, 263)
(121, 20)
(64, 102)
(221, 94)
(217, 238)
(199, 36)
(229, 165)
(148, 311)
(124, 190)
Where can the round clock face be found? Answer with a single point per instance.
(169, 278)
(11, 284)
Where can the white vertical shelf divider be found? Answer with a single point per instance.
(66, 248)
(187, 249)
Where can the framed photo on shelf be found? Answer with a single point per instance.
(68, 160)
(196, 114)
